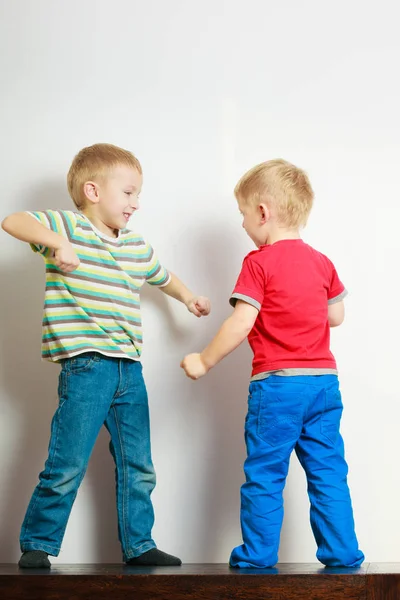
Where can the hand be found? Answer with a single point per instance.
(65, 257)
(199, 306)
(194, 366)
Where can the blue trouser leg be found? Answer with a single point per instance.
(320, 450)
(129, 427)
(75, 426)
(272, 427)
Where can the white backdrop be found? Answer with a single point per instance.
(200, 92)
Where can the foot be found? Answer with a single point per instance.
(155, 557)
(34, 559)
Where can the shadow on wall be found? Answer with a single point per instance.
(219, 401)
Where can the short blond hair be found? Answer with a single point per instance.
(92, 164)
(281, 186)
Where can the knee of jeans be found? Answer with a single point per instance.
(145, 478)
(150, 477)
(67, 479)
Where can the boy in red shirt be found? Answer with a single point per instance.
(287, 297)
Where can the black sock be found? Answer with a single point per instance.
(34, 559)
(155, 557)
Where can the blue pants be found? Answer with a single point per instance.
(301, 413)
(96, 390)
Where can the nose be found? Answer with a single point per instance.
(134, 203)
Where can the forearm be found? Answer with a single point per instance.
(334, 324)
(26, 228)
(176, 289)
(232, 333)
(336, 314)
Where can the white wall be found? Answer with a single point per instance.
(201, 91)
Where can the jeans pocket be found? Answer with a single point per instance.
(280, 418)
(76, 375)
(80, 363)
(330, 420)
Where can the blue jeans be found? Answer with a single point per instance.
(300, 413)
(96, 390)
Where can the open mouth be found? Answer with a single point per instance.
(127, 216)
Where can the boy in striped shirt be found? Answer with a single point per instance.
(95, 268)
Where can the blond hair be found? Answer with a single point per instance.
(281, 186)
(92, 164)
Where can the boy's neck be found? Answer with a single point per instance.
(280, 234)
(99, 225)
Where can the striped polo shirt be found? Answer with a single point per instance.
(96, 308)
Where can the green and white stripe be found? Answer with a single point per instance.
(97, 306)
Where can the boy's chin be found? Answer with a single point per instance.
(121, 223)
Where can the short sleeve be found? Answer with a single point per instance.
(250, 286)
(337, 291)
(156, 274)
(62, 222)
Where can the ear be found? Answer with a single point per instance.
(264, 213)
(91, 191)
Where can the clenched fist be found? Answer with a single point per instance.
(65, 257)
(194, 366)
(199, 306)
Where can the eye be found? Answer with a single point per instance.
(128, 193)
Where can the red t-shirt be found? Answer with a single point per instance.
(291, 284)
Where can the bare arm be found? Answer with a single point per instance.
(232, 333)
(198, 305)
(336, 314)
(26, 228)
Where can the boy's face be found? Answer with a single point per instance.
(255, 222)
(117, 196)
